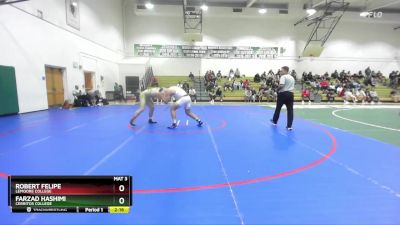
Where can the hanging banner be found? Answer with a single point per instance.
(207, 52)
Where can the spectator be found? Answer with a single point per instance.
(394, 79)
(248, 95)
(264, 77)
(116, 87)
(348, 74)
(310, 76)
(186, 87)
(374, 96)
(228, 86)
(257, 78)
(76, 92)
(270, 81)
(306, 95)
(342, 76)
(210, 86)
(330, 95)
(373, 81)
(324, 84)
(193, 95)
(304, 78)
(219, 75)
(81, 99)
(294, 74)
(77, 100)
(340, 91)
(332, 85)
(212, 77)
(361, 96)
(99, 99)
(379, 74)
(237, 73)
(236, 85)
(395, 96)
(272, 95)
(90, 96)
(335, 75)
(261, 93)
(253, 94)
(315, 85)
(191, 75)
(206, 78)
(360, 75)
(121, 93)
(231, 75)
(368, 72)
(117, 93)
(219, 93)
(212, 95)
(369, 78)
(349, 96)
(246, 84)
(355, 85)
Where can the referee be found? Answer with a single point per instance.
(285, 97)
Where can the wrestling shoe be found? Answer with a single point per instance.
(151, 121)
(173, 126)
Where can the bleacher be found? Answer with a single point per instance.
(238, 95)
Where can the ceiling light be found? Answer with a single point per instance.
(262, 11)
(311, 12)
(149, 5)
(364, 14)
(74, 3)
(204, 7)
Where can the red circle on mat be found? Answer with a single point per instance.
(244, 182)
(249, 181)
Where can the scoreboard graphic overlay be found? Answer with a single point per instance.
(70, 194)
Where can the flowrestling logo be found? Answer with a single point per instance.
(375, 15)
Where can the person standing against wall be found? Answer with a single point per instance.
(285, 97)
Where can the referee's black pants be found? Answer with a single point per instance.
(285, 98)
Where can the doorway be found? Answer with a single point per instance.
(55, 86)
(89, 83)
